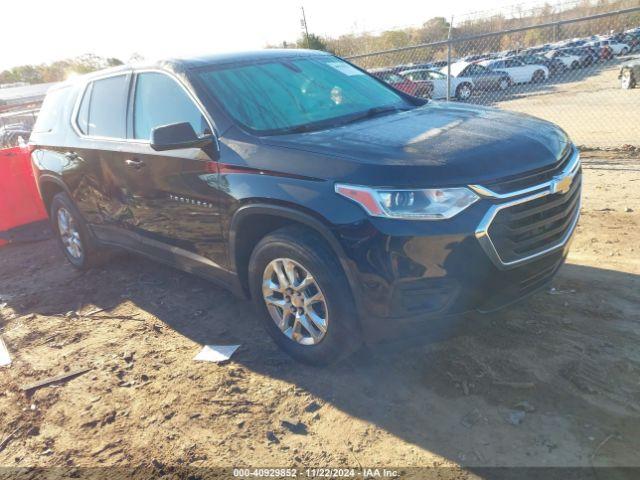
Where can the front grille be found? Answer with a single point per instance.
(529, 228)
(535, 177)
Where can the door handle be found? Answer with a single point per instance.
(137, 164)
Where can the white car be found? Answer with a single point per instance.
(461, 87)
(616, 47)
(517, 70)
(570, 61)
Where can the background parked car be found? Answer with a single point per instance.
(569, 61)
(461, 87)
(588, 56)
(554, 65)
(617, 48)
(483, 78)
(403, 84)
(629, 74)
(518, 71)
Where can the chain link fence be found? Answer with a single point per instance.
(579, 73)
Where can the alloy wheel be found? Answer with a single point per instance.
(503, 84)
(626, 79)
(464, 92)
(295, 301)
(69, 233)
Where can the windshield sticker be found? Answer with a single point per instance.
(345, 68)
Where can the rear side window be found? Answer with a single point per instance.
(160, 100)
(102, 111)
(52, 107)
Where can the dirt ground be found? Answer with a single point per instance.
(553, 381)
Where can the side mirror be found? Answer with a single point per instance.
(177, 136)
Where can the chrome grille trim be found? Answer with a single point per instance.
(537, 191)
(570, 170)
(482, 234)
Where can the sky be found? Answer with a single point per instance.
(46, 30)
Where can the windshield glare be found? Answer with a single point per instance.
(281, 95)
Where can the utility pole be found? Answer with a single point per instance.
(449, 60)
(303, 22)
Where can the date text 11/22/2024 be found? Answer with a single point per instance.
(316, 472)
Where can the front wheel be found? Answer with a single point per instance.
(463, 91)
(624, 51)
(303, 296)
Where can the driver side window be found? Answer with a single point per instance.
(159, 100)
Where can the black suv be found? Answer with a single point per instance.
(343, 208)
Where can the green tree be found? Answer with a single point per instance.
(432, 30)
(314, 42)
(57, 71)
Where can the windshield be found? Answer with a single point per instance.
(285, 95)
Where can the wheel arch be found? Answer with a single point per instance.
(250, 223)
(462, 84)
(49, 186)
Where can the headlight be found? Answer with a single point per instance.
(419, 204)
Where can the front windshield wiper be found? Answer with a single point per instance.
(305, 127)
(374, 112)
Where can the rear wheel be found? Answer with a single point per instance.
(627, 81)
(463, 91)
(624, 51)
(504, 83)
(303, 297)
(538, 76)
(77, 243)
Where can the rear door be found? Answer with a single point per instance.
(172, 195)
(483, 79)
(94, 169)
(519, 73)
(439, 81)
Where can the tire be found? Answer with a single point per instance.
(624, 51)
(627, 81)
(538, 76)
(77, 243)
(575, 65)
(305, 252)
(504, 84)
(464, 91)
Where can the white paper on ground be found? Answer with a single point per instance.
(5, 359)
(216, 353)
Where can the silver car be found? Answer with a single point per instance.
(460, 87)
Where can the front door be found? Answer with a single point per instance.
(172, 195)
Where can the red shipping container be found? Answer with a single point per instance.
(20, 202)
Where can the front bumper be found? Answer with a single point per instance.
(411, 272)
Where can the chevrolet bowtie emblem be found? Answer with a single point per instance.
(561, 184)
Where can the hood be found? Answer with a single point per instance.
(437, 144)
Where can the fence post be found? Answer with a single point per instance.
(449, 60)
